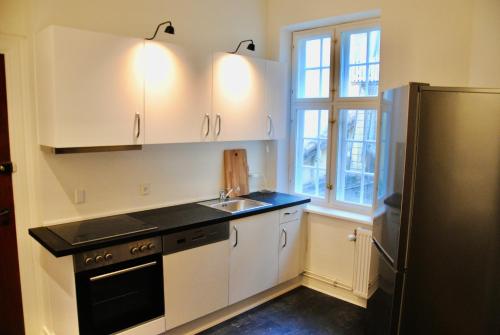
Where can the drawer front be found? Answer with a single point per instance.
(290, 214)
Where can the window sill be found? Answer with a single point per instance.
(339, 214)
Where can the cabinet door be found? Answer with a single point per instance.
(196, 282)
(239, 107)
(330, 252)
(253, 265)
(290, 250)
(90, 88)
(276, 99)
(178, 94)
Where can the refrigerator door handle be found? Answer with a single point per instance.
(384, 254)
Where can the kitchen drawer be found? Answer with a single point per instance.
(290, 214)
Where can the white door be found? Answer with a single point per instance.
(239, 107)
(276, 99)
(290, 250)
(90, 88)
(253, 265)
(196, 282)
(178, 94)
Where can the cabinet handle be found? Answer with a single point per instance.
(236, 237)
(207, 117)
(286, 238)
(270, 126)
(291, 213)
(218, 124)
(138, 120)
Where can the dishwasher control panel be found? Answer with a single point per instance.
(195, 237)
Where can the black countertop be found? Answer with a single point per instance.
(168, 220)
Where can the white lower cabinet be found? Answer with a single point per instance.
(253, 264)
(196, 282)
(290, 250)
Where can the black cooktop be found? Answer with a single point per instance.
(100, 229)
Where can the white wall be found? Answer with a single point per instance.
(485, 47)
(176, 172)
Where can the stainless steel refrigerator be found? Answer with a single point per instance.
(438, 242)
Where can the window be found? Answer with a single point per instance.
(335, 114)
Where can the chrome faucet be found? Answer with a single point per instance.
(223, 195)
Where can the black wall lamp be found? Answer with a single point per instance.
(250, 46)
(168, 29)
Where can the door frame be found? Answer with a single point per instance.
(22, 136)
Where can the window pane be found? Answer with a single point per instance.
(310, 153)
(352, 188)
(323, 132)
(370, 157)
(355, 125)
(371, 125)
(323, 147)
(325, 61)
(322, 183)
(310, 123)
(374, 46)
(356, 155)
(312, 84)
(354, 160)
(308, 181)
(325, 83)
(357, 52)
(368, 190)
(313, 53)
(359, 63)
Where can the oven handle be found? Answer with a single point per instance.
(119, 272)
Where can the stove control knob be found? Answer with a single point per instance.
(89, 260)
(99, 259)
(151, 246)
(143, 248)
(108, 256)
(134, 250)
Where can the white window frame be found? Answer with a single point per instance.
(334, 104)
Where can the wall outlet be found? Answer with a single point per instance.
(79, 196)
(145, 188)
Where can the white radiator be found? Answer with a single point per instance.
(362, 256)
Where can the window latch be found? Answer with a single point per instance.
(329, 187)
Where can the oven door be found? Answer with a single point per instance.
(119, 296)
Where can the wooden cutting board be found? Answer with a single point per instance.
(236, 171)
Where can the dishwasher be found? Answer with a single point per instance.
(195, 273)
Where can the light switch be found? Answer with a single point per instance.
(79, 196)
(145, 188)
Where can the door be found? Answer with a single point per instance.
(290, 250)
(276, 99)
(11, 308)
(90, 88)
(178, 95)
(196, 282)
(253, 264)
(239, 108)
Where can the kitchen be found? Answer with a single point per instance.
(112, 183)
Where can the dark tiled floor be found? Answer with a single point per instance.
(301, 311)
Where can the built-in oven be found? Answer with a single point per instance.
(119, 287)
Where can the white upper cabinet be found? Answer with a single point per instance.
(276, 103)
(178, 95)
(90, 88)
(239, 98)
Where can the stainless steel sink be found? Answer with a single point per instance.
(235, 205)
